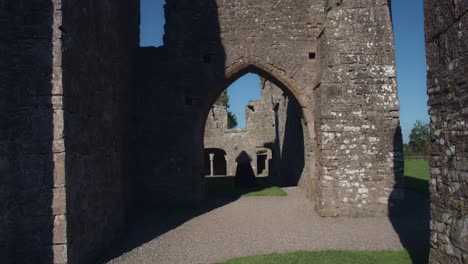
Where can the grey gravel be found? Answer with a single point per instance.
(252, 226)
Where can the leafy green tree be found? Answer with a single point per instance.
(223, 100)
(420, 138)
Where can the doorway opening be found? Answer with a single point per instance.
(274, 136)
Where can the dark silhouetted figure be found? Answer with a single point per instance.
(245, 176)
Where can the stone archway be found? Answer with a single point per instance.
(216, 163)
(292, 89)
(338, 62)
(342, 76)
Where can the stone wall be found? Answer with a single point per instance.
(447, 49)
(100, 41)
(345, 60)
(63, 72)
(273, 126)
(66, 109)
(208, 45)
(31, 141)
(7, 195)
(359, 139)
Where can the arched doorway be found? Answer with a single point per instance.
(215, 162)
(271, 162)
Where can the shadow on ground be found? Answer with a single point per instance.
(409, 207)
(224, 187)
(150, 224)
(417, 185)
(410, 218)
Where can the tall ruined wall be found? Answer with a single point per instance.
(7, 200)
(207, 45)
(359, 139)
(31, 135)
(63, 73)
(447, 50)
(7, 195)
(99, 43)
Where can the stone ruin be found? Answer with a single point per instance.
(273, 138)
(92, 126)
(447, 81)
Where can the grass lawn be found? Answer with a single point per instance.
(224, 187)
(335, 257)
(417, 175)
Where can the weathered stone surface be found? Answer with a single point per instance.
(273, 131)
(48, 52)
(29, 70)
(446, 50)
(100, 40)
(66, 127)
(339, 64)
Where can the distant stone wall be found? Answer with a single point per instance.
(275, 123)
(259, 131)
(447, 59)
(358, 115)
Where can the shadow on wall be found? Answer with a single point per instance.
(287, 167)
(409, 211)
(173, 84)
(99, 41)
(292, 161)
(27, 132)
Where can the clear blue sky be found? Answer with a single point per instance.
(408, 23)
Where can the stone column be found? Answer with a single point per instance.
(227, 164)
(211, 164)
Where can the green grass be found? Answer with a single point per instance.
(224, 187)
(270, 191)
(336, 257)
(417, 175)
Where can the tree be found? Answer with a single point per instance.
(419, 138)
(223, 100)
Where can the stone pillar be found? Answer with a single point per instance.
(267, 166)
(227, 164)
(357, 61)
(211, 164)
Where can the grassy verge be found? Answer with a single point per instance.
(417, 175)
(333, 257)
(224, 187)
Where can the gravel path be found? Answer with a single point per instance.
(252, 226)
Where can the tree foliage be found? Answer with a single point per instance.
(232, 120)
(223, 100)
(419, 139)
